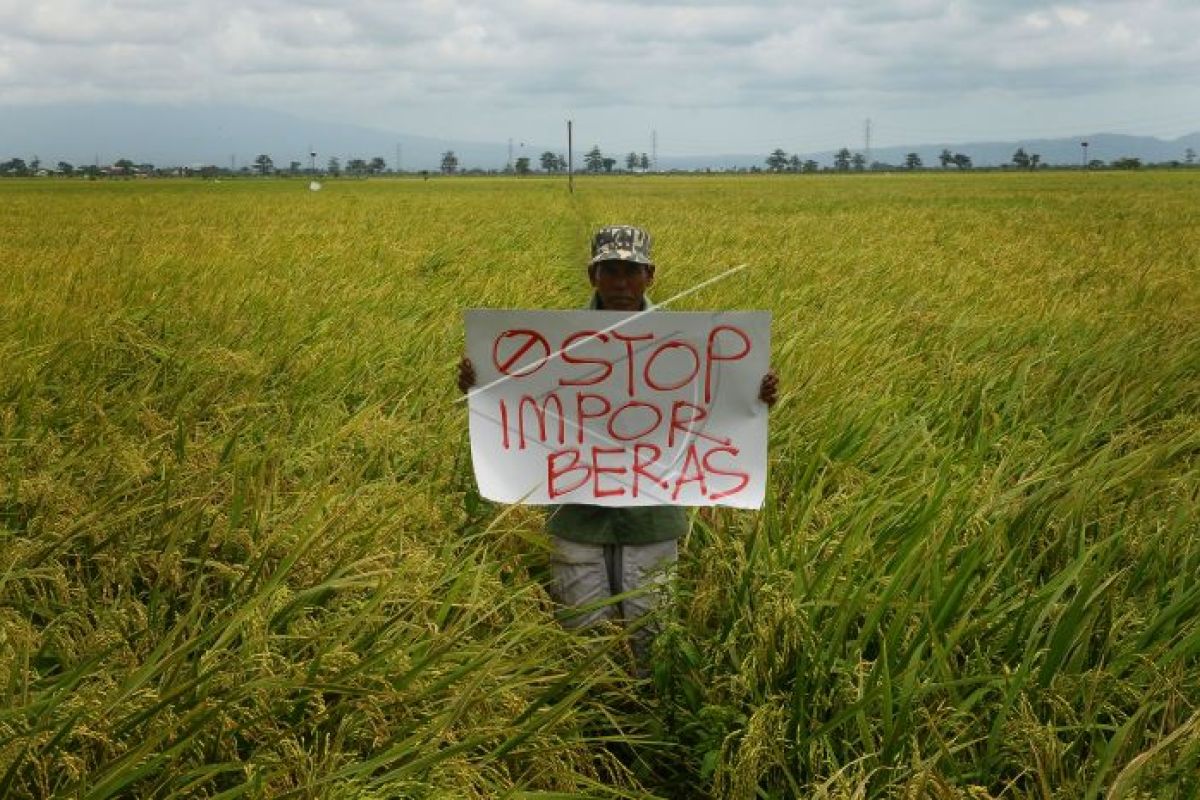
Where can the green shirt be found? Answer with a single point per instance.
(604, 525)
(629, 525)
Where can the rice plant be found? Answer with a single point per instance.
(241, 554)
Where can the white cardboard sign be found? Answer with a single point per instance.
(618, 408)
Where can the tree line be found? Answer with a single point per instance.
(262, 164)
(550, 161)
(846, 161)
(594, 161)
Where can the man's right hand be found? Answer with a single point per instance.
(466, 375)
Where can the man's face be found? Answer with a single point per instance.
(621, 285)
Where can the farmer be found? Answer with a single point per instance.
(600, 552)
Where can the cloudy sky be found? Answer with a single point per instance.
(707, 76)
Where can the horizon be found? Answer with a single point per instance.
(121, 121)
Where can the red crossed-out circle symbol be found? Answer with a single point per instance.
(520, 352)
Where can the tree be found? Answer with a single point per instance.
(859, 161)
(356, 166)
(841, 161)
(549, 161)
(522, 165)
(593, 160)
(777, 161)
(1189, 156)
(377, 165)
(912, 161)
(608, 163)
(631, 161)
(1034, 160)
(264, 164)
(810, 166)
(1020, 159)
(66, 168)
(449, 162)
(1127, 162)
(334, 166)
(962, 161)
(294, 167)
(644, 161)
(14, 166)
(794, 163)
(946, 157)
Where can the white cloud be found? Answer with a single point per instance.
(1127, 37)
(1038, 20)
(1071, 16)
(627, 58)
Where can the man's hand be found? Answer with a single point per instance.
(466, 375)
(768, 390)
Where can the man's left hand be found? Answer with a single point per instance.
(768, 390)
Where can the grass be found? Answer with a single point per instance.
(241, 555)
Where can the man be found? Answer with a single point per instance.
(602, 552)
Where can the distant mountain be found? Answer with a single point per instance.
(192, 135)
(1104, 146)
(183, 136)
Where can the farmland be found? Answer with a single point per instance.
(241, 553)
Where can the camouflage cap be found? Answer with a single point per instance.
(621, 243)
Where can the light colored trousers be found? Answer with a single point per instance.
(586, 575)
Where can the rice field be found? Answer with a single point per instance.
(241, 553)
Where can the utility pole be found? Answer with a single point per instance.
(654, 150)
(867, 141)
(570, 159)
(312, 161)
(509, 167)
(1085, 158)
(396, 168)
